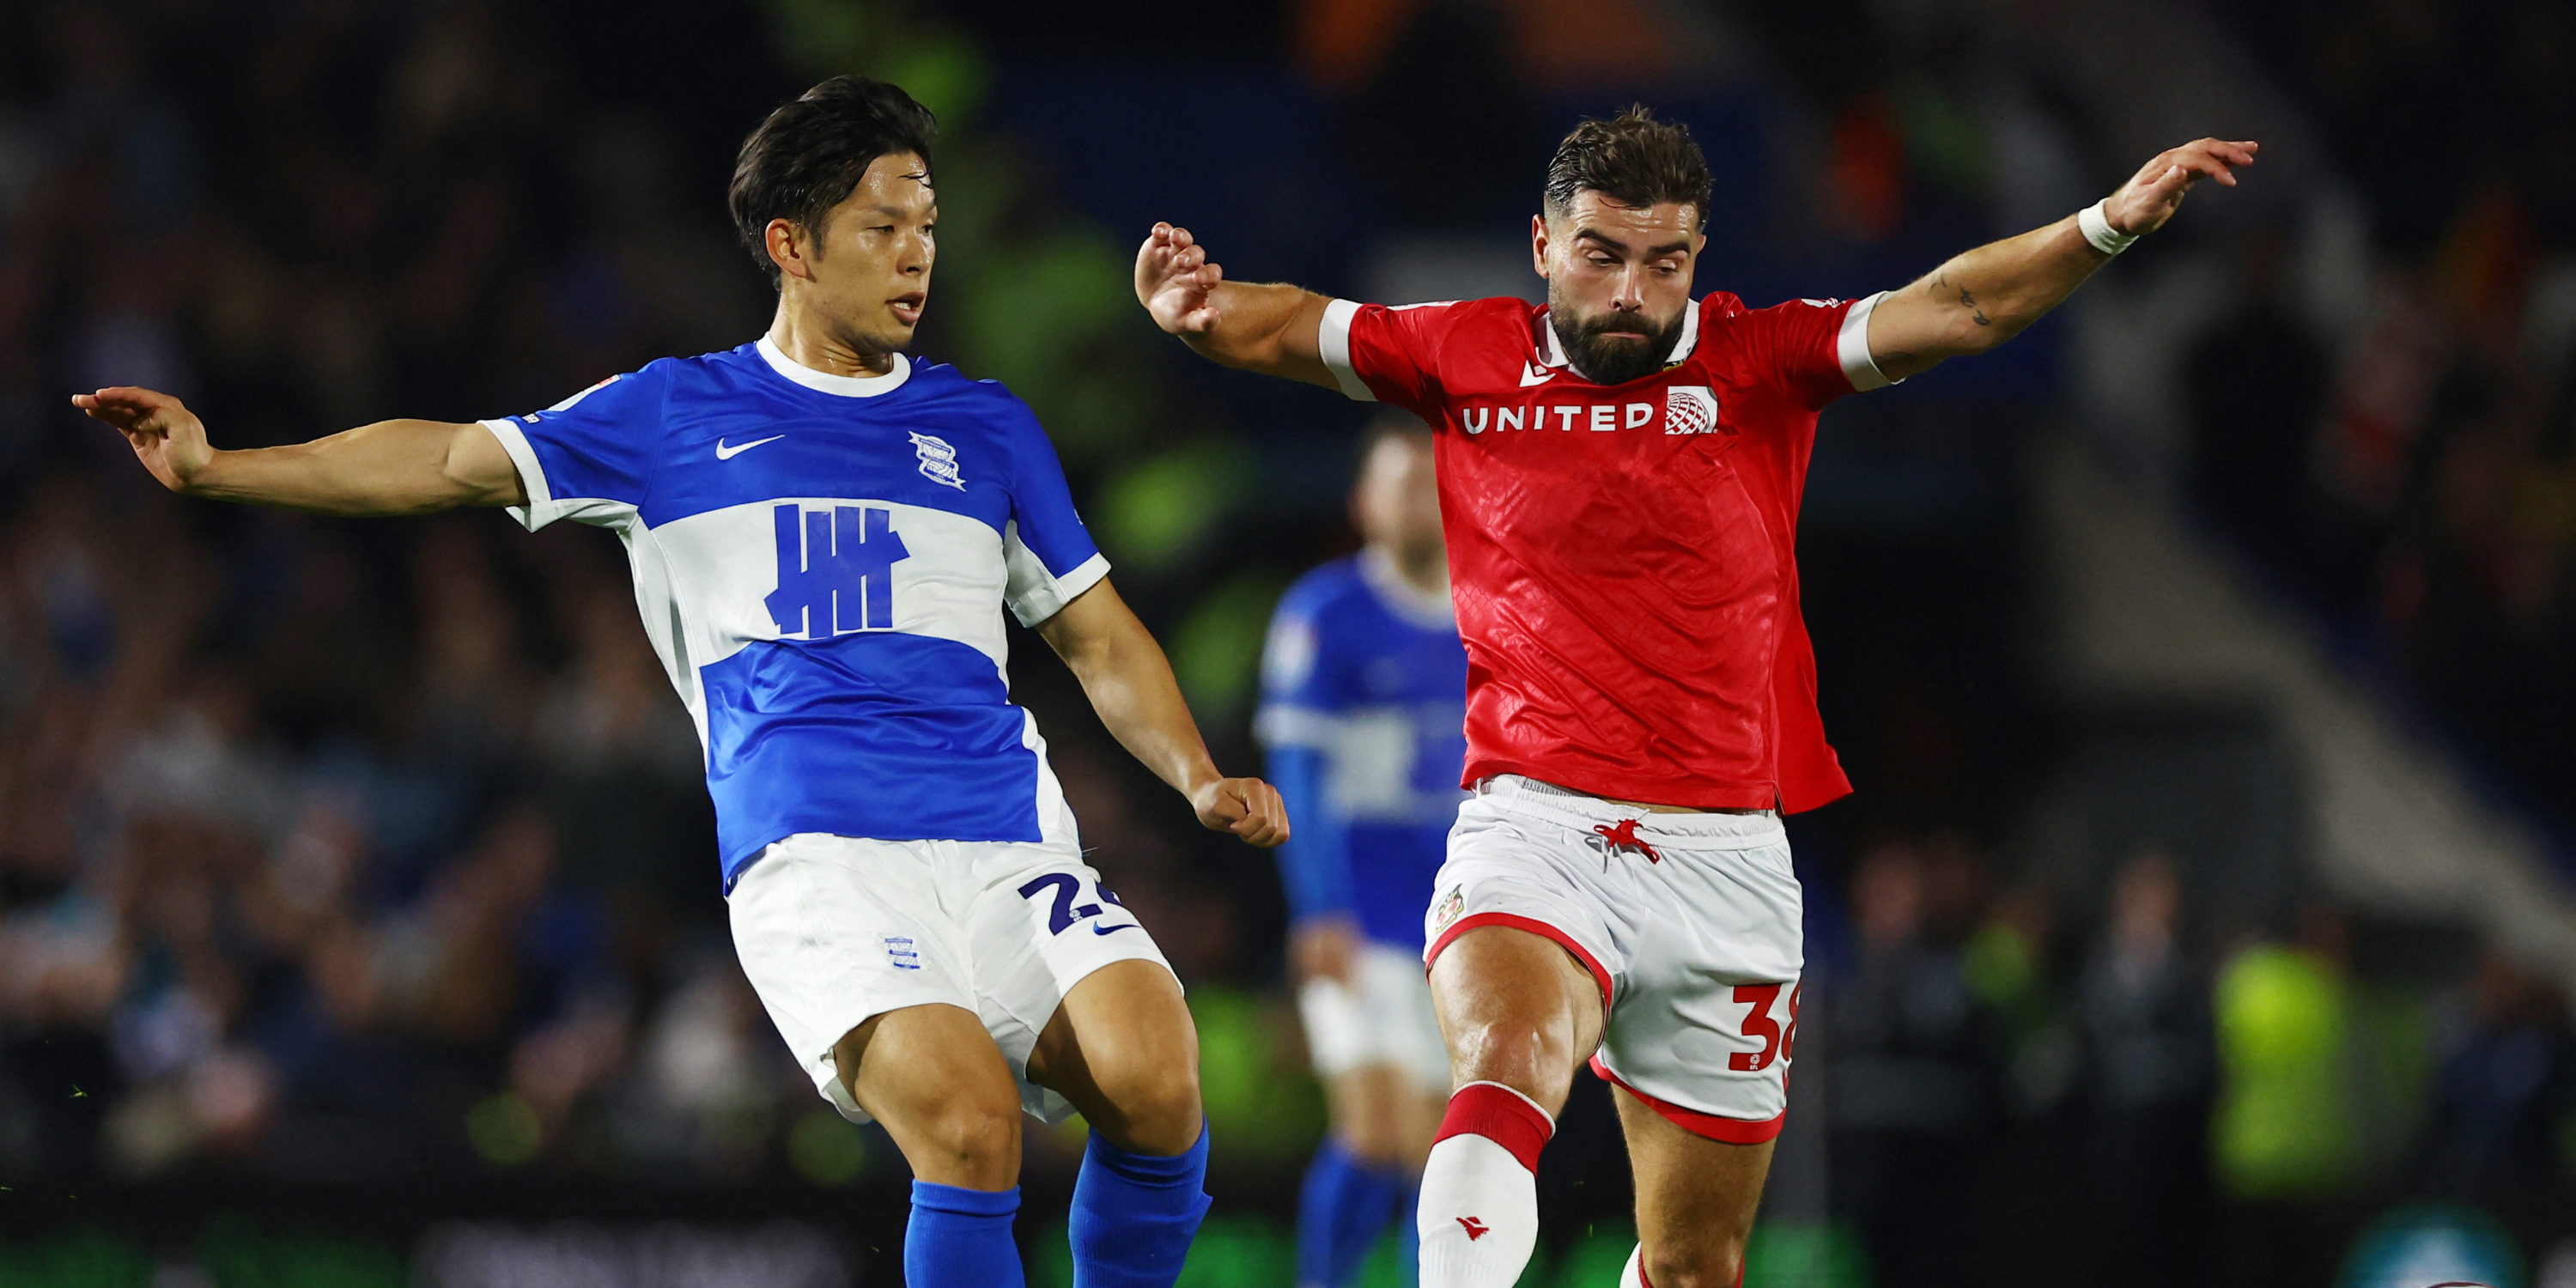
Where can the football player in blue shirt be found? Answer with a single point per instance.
(1363, 712)
(824, 536)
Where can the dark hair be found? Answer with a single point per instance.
(1632, 159)
(810, 154)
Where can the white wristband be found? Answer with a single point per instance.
(2098, 230)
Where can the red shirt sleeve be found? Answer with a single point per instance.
(1818, 349)
(1388, 354)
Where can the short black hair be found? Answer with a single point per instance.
(1632, 159)
(810, 154)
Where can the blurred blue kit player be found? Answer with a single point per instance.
(1365, 685)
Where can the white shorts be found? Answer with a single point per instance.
(1696, 946)
(1383, 1016)
(833, 930)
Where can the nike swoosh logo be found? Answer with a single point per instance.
(1534, 374)
(1111, 930)
(724, 453)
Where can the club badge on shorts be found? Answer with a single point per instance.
(900, 952)
(1451, 904)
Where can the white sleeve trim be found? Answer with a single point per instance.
(1047, 596)
(541, 508)
(1333, 340)
(543, 505)
(1852, 347)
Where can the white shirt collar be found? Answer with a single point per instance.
(1428, 609)
(1682, 344)
(826, 382)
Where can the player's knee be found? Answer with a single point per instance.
(979, 1144)
(1517, 1055)
(1704, 1261)
(1157, 1103)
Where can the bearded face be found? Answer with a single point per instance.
(1614, 346)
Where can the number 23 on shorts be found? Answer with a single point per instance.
(1063, 913)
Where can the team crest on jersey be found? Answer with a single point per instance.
(938, 461)
(1451, 904)
(1690, 409)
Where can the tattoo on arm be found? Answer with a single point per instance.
(1966, 300)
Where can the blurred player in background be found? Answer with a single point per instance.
(1620, 471)
(824, 537)
(1363, 685)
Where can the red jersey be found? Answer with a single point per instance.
(1623, 557)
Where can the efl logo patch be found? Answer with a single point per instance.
(900, 952)
(1690, 409)
(1451, 905)
(938, 461)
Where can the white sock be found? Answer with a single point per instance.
(1479, 1215)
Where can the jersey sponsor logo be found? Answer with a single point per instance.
(835, 570)
(724, 453)
(938, 461)
(1568, 417)
(1690, 409)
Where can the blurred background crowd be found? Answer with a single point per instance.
(358, 913)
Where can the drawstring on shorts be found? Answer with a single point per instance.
(1624, 836)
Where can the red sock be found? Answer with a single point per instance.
(1501, 1115)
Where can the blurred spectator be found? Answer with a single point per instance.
(2147, 1078)
(2505, 1087)
(2285, 1132)
(2256, 382)
(2284, 1020)
(1914, 1087)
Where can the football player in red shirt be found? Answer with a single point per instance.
(1620, 471)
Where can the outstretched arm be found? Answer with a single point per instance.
(1982, 298)
(390, 467)
(1130, 684)
(1266, 327)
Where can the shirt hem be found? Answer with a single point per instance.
(738, 862)
(1689, 793)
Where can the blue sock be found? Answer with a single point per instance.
(961, 1238)
(1341, 1212)
(1134, 1215)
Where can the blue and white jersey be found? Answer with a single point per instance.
(1363, 715)
(822, 563)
